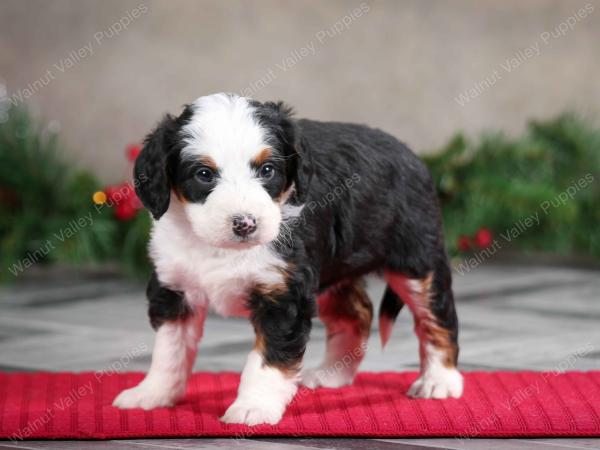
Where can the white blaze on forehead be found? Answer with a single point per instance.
(224, 128)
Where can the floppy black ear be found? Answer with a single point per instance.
(278, 117)
(152, 183)
(303, 171)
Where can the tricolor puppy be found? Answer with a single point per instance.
(261, 215)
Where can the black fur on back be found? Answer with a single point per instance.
(371, 205)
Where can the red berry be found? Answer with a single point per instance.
(125, 211)
(112, 194)
(464, 244)
(133, 151)
(118, 194)
(484, 238)
(127, 191)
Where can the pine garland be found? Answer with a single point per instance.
(536, 192)
(46, 212)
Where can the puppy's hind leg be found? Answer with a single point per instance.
(431, 301)
(347, 313)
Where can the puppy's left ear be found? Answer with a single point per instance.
(303, 171)
(152, 181)
(298, 164)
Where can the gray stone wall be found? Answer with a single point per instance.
(105, 71)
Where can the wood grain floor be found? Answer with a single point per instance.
(512, 317)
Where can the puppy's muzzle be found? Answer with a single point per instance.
(243, 225)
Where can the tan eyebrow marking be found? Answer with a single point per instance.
(209, 162)
(262, 157)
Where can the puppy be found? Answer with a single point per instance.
(261, 215)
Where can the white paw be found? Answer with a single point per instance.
(252, 413)
(328, 377)
(145, 397)
(437, 383)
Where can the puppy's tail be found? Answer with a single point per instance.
(389, 309)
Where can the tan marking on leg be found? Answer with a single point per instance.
(260, 345)
(270, 291)
(290, 371)
(259, 342)
(417, 294)
(347, 312)
(347, 302)
(439, 377)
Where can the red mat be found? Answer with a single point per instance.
(498, 404)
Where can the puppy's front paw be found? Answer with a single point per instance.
(437, 383)
(328, 377)
(252, 413)
(145, 397)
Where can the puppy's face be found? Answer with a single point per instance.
(231, 163)
(231, 180)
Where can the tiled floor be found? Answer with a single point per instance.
(512, 317)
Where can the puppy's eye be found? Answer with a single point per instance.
(266, 171)
(205, 175)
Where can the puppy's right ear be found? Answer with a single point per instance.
(151, 172)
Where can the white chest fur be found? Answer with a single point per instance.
(210, 277)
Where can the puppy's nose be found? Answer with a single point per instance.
(243, 224)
